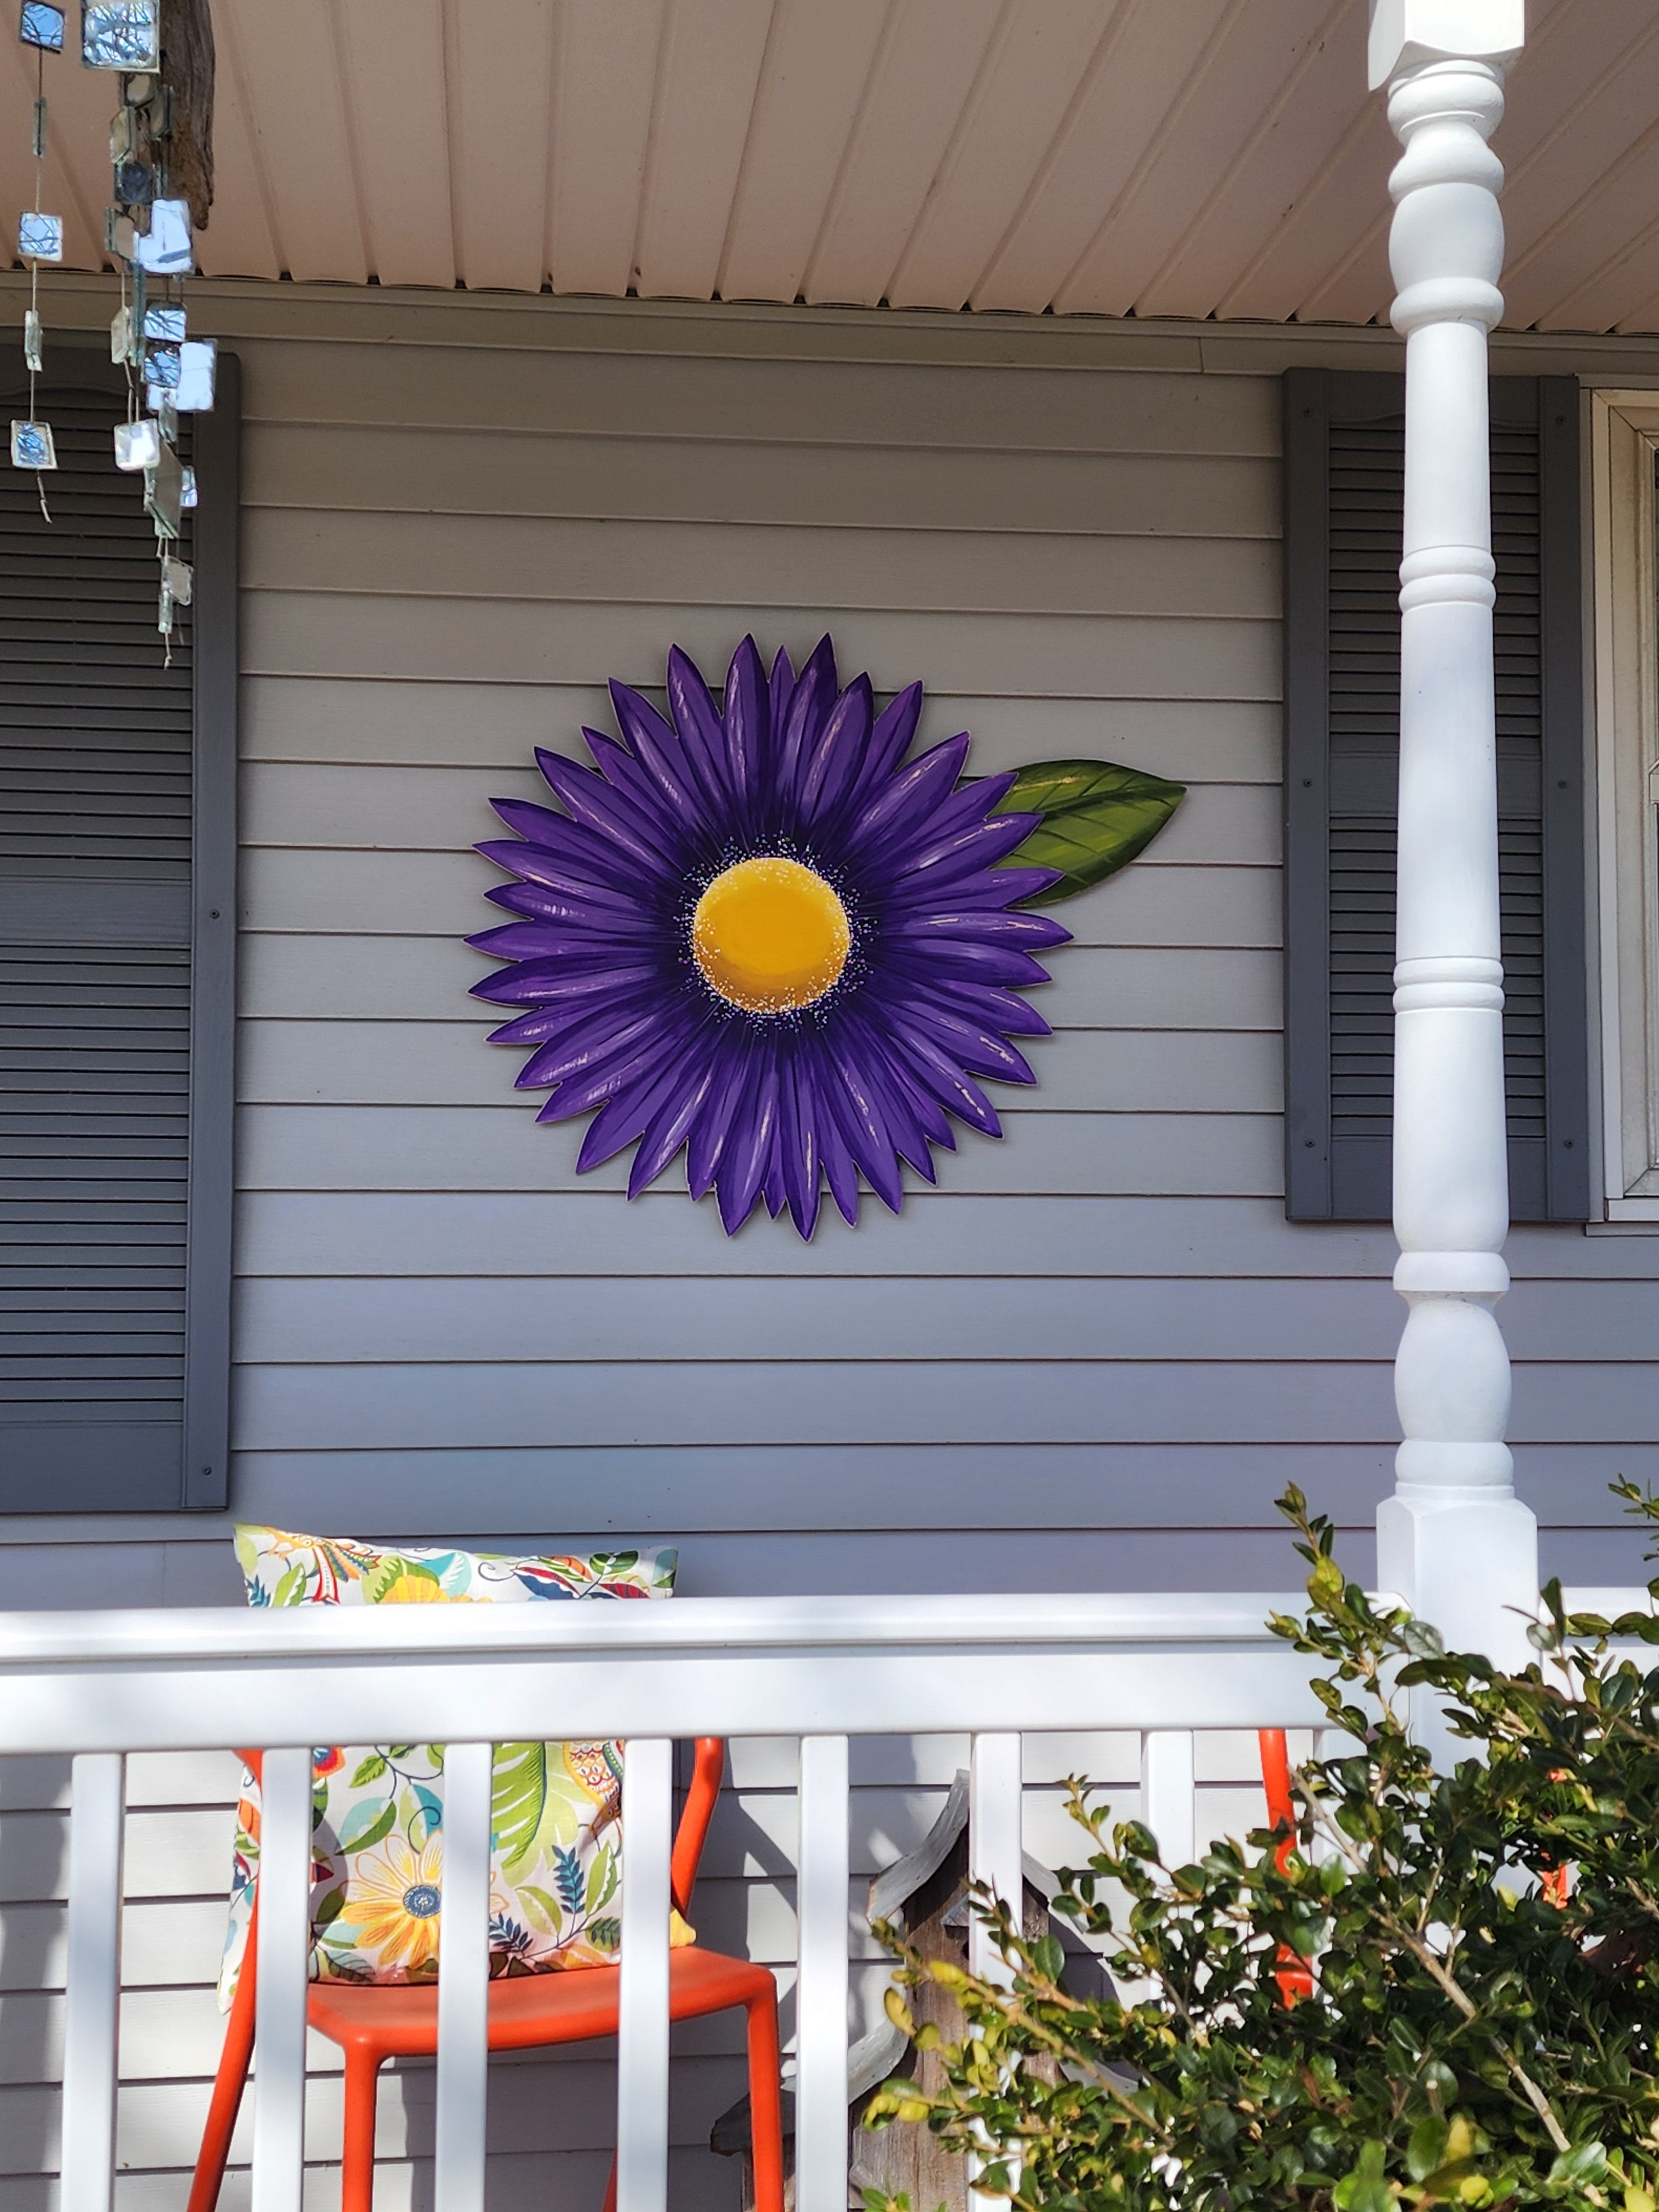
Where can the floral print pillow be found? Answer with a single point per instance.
(377, 1809)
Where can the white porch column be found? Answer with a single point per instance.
(1454, 1540)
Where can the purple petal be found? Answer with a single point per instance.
(537, 1027)
(949, 817)
(587, 940)
(948, 1083)
(993, 926)
(703, 740)
(833, 764)
(582, 1093)
(886, 1107)
(591, 1045)
(749, 1146)
(574, 861)
(713, 1124)
(911, 795)
(858, 1113)
(595, 805)
(668, 1131)
(979, 1051)
(910, 1110)
(796, 1146)
(951, 849)
(783, 686)
(1026, 882)
(539, 982)
(889, 741)
(657, 750)
(964, 884)
(583, 907)
(840, 1168)
(635, 784)
(997, 1009)
(982, 964)
(629, 1110)
(748, 727)
(773, 1194)
(813, 697)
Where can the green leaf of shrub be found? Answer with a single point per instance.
(1425, 2148)
(1096, 816)
(1583, 2162)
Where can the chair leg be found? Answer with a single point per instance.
(363, 2082)
(765, 2109)
(227, 2086)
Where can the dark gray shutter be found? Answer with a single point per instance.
(116, 941)
(1344, 453)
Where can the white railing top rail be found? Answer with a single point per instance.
(178, 1680)
(1608, 1602)
(989, 1620)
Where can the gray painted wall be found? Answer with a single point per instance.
(1096, 1351)
(1090, 1358)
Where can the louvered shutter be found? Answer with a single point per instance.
(117, 937)
(1344, 460)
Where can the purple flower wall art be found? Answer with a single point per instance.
(758, 933)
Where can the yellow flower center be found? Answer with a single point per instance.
(770, 935)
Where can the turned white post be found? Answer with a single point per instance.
(1453, 1539)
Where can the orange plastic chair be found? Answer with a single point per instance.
(526, 2012)
(1294, 1976)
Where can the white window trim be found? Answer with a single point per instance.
(1625, 442)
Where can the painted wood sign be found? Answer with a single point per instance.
(758, 933)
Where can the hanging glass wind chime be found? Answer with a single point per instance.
(147, 233)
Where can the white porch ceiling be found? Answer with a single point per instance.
(1149, 157)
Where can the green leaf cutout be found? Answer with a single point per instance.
(1096, 816)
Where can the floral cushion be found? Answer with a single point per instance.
(377, 1809)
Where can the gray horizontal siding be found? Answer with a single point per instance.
(1091, 1358)
(357, 721)
(450, 471)
(1032, 656)
(472, 557)
(790, 403)
(340, 808)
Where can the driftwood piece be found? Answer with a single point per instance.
(903, 2157)
(925, 1893)
(187, 69)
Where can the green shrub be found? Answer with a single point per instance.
(1483, 1946)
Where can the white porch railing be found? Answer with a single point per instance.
(101, 1684)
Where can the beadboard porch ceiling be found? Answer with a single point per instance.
(1210, 158)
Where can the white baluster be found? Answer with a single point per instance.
(1169, 1798)
(996, 1857)
(91, 2027)
(464, 1980)
(279, 2110)
(642, 2035)
(1453, 1539)
(995, 1843)
(822, 1877)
